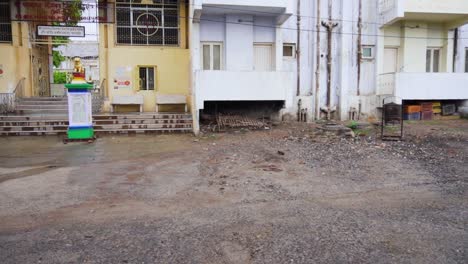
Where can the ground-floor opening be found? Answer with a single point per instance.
(240, 114)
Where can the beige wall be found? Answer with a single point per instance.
(172, 65)
(412, 38)
(15, 59)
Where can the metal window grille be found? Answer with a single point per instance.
(147, 78)
(148, 24)
(5, 22)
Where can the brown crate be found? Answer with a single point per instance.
(411, 109)
(426, 107)
(427, 115)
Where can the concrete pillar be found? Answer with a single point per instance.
(343, 68)
(194, 29)
(448, 50)
(279, 49)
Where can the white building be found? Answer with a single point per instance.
(245, 51)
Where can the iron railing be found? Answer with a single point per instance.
(8, 100)
(98, 97)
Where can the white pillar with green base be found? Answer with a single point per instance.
(80, 116)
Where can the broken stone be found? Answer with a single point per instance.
(281, 153)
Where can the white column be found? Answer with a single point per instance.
(194, 29)
(279, 49)
(449, 49)
(346, 61)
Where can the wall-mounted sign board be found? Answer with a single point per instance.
(60, 31)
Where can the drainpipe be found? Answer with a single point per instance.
(359, 44)
(317, 69)
(329, 26)
(298, 48)
(455, 49)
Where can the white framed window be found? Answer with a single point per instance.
(212, 56)
(433, 60)
(147, 78)
(466, 60)
(289, 50)
(367, 52)
(147, 24)
(5, 22)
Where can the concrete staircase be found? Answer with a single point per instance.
(42, 106)
(49, 116)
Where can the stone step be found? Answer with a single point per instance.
(141, 126)
(95, 122)
(32, 133)
(42, 103)
(143, 121)
(144, 131)
(20, 107)
(35, 123)
(144, 116)
(33, 128)
(64, 116)
(35, 117)
(100, 132)
(43, 99)
(98, 127)
(41, 111)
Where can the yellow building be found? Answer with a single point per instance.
(24, 57)
(143, 52)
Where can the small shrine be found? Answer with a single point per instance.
(80, 115)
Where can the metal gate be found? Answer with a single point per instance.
(40, 71)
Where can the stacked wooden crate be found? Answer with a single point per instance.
(437, 108)
(426, 111)
(412, 112)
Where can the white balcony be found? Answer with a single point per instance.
(452, 13)
(425, 86)
(244, 86)
(280, 9)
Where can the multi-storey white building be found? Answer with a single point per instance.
(350, 54)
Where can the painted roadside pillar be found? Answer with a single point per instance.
(80, 115)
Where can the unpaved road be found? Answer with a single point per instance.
(288, 195)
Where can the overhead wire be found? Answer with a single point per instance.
(240, 22)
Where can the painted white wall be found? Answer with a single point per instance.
(264, 30)
(410, 37)
(213, 28)
(432, 86)
(239, 43)
(244, 86)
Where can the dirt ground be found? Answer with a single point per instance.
(290, 194)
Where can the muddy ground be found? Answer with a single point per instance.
(291, 194)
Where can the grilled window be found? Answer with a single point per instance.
(147, 80)
(147, 24)
(432, 60)
(5, 22)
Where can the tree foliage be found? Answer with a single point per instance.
(72, 15)
(60, 77)
(57, 58)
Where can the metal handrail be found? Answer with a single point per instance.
(103, 89)
(8, 100)
(19, 89)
